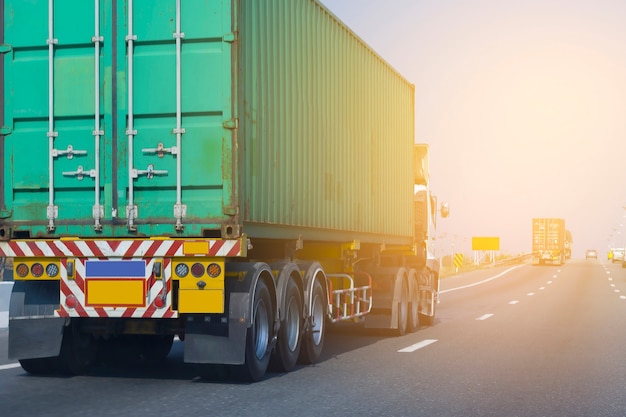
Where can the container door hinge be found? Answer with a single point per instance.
(5, 48)
(231, 124)
(5, 130)
(230, 37)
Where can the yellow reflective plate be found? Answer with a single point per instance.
(115, 292)
(201, 301)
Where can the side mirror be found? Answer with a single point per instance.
(445, 210)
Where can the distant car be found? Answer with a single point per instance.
(591, 253)
(618, 255)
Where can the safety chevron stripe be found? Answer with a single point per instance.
(77, 288)
(103, 249)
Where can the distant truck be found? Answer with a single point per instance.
(235, 173)
(548, 241)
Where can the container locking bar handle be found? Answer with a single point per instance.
(131, 208)
(52, 211)
(180, 210)
(98, 209)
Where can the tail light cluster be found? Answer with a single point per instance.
(37, 270)
(197, 269)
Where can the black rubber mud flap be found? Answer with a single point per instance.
(34, 332)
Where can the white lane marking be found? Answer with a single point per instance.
(553, 276)
(623, 297)
(549, 282)
(542, 288)
(513, 302)
(616, 290)
(9, 366)
(530, 294)
(610, 279)
(481, 282)
(417, 345)
(612, 285)
(608, 272)
(484, 316)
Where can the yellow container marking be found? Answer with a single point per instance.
(115, 292)
(201, 301)
(196, 248)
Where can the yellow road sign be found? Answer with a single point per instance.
(485, 243)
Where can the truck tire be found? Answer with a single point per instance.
(259, 336)
(289, 341)
(78, 351)
(40, 366)
(313, 338)
(156, 347)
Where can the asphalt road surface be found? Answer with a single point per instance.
(508, 341)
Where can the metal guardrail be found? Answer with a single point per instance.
(450, 271)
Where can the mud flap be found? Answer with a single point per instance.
(204, 345)
(386, 297)
(34, 332)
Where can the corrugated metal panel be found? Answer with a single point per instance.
(327, 126)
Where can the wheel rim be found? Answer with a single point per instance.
(317, 315)
(261, 330)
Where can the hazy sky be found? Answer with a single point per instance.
(523, 104)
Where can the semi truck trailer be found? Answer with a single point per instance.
(548, 245)
(238, 174)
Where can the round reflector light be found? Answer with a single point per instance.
(71, 301)
(159, 302)
(52, 270)
(21, 270)
(197, 270)
(182, 270)
(36, 270)
(214, 270)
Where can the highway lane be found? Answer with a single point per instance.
(534, 341)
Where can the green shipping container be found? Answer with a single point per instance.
(200, 118)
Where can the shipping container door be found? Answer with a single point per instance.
(157, 159)
(49, 111)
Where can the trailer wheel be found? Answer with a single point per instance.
(156, 347)
(289, 341)
(39, 366)
(259, 336)
(78, 351)
(313, 339)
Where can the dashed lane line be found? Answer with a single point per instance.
(484, 316)
(513, 302)
(417, 346)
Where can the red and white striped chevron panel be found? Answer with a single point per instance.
(141, 296)
(155, 288)
(115, 248)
